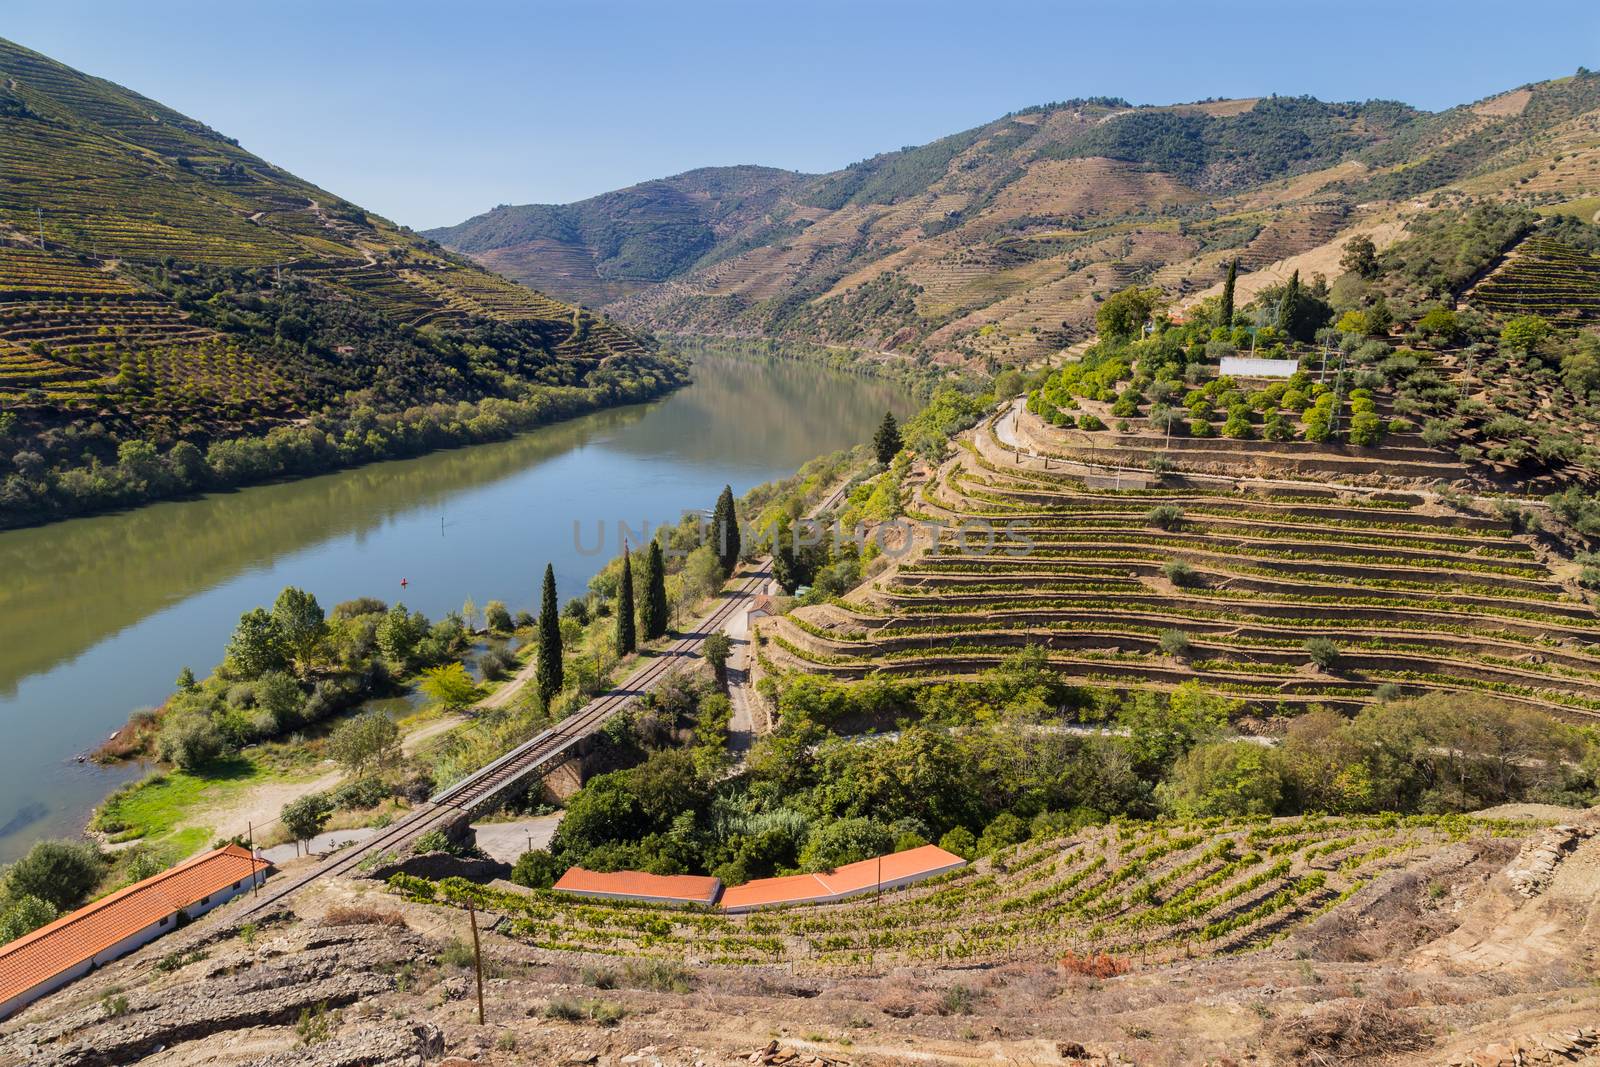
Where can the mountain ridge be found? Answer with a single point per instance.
(995, 245)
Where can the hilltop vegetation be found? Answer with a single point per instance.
(181, 314)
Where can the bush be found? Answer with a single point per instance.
(1175, 643)
(961, 842)
(536, 869)
(1181, 574)
(496, 663)
(362, 793)
(60, 873)
(1087, 421)
(661, 976)
(1006, 829)
(190, 740)
(1164, 517)
(1322, 652)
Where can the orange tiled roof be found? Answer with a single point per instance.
(80, 935)
(685, 887)
(922, 862)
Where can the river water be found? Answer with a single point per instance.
(98, 615)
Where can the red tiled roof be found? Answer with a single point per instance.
(910, 865)
(685, 887)
(82, 934)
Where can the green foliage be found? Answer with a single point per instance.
(536, 869)
(367, 742)
(886, 442)
(305, 816)
(1322, 652)
(23, 915)
(655, 613)
(1225, 778)
(1523, 332)
(1164, 517)
(60, 873)
(299, 623)
(1125, 313)
(845, 841)
(1225, 306)
(716, 649)
(550, 669)
(725, 531)
(626, 637)
(257, 645)
(449, 684)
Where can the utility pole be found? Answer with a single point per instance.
(477, 955)
(255, 883)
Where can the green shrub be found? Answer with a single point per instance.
(1164, 517)
(1175, 643)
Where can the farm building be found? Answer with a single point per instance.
(1245, 367)
(637, 885)
(884, 872)
(94, 935)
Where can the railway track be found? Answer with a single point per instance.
(546, 748)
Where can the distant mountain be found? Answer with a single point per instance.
(995, 245)
(601, 249)
(159, 284)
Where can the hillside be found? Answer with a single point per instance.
(161, 286)
(600, 250)
(1329, 940)
(996, 245)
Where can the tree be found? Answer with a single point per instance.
(1360, 257)
(450, 685)
(257, 645)
(1523, 332)
(716, 650)
(725, 531)
(627, 640)
(1225, 308)
(550, 679)
(886, 443)
(367, 742)
(60, 873)
(1224, 778)
(300, 623)
(497, 617)
(1162, 728)
(655, 613)
(399, 632)
(304, 818)
(1123, 316)
(26, 914)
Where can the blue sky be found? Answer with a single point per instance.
(431, 112)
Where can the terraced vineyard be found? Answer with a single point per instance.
(1145, 892)
(1168, 579)
(165, 283)
(1543, 277)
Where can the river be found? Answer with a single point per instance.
(98, 615)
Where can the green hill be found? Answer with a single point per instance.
(161, 286)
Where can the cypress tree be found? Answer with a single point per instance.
(549, 638)
(655, 593)
(626, 641)
(886, 442)
(1225, 309)
(1289, 305)
(725, 531)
